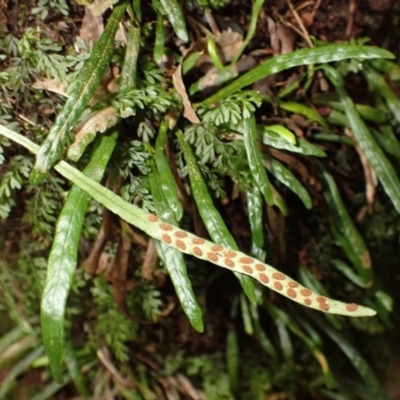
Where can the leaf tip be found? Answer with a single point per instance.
(57, 376)
(198, 325)
(183, 35)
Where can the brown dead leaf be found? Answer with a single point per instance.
(62, 26)
(172, 118)
(100, 121)
(229, 42)
(187, 387)
(92, 24)
(323, 84)
(169, 393)
(265, 85)
(307, 17)
(51, 85)
(113, 85)
(213, 77)
(179, 86)
(281, 37)
(246, 63)
(273, 36)
(98, 7)
(286, 38)
(105, 358)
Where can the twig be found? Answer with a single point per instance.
(350, 21)
(301, 25)
(104, 358)
(211, 21)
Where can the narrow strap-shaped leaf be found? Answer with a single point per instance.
(272, 139)
(255, 12)
(159, 41)
(129, 69)
(381, 165)
(348, 272)
(167, 180)
(63, 258)
(378, 83)
(334, 138)
(18, 348)
(317, 341)
(190, 61)
(173, 259)
(287, 178)
(109, 116)
(212, 219)
(232, 360)
(255, 210)
(361, 366)
(388, 67)
(304, 110)
(246, 318)
(264, 340)
(324, 54)
(280, 202)
(311, 344)
(337, 118)
(175, 16)
(213, 53)
(384, 303)
(176, 267)
(9, 380)
(87, 82)
(10, 338)
(348, 229)
(50, 390)
(387, 140)
(74, 370)
(347, 247)
(189, 243)
(284, 339)
(283, 132)
(11, 301)
(257, 169)
(137, 9)
(367, 112)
